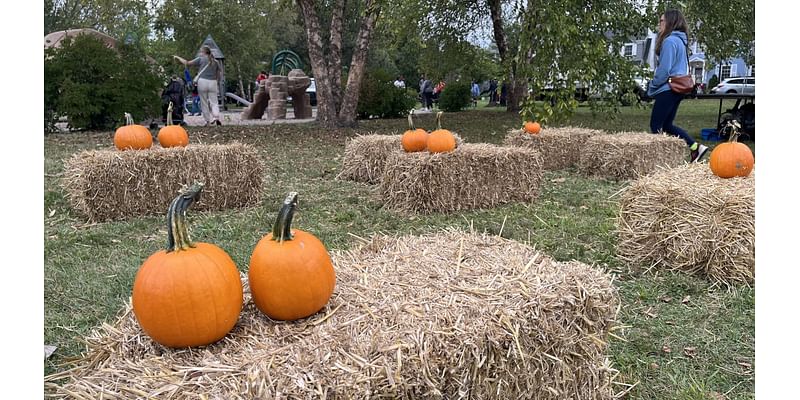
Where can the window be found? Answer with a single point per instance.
(726, 72)
(629, 50)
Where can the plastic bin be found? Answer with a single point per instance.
(710, 134)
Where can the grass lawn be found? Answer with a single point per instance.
(682, 339)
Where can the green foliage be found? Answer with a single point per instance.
(455, 96)
(565, 44)
(93, 85)
(380, 98)
(726, 29)
(714, 81)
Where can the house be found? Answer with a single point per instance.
(642, 51)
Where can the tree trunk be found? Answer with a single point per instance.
(326, 106)
(335, 58)
(328, 113)
(347, 115)
(517, 88)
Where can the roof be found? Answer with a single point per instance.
(215, 51)
(54, 39)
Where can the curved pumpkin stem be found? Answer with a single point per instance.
(410, 120)
(169, 114)
(128, 119)
(734, 126)
(282, 230)
(177, 234)
(439, 120)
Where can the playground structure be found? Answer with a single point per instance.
(286, 79)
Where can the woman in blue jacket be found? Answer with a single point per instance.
(671, 50)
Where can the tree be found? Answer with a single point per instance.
(565, 43)
(334, 107)
(94, 85)
(726, 29)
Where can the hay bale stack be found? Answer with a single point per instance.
(115, 185)
(365, 156)
(628, 155)
(690, 220)
(443, 316)
(560, 147)
(472, 176)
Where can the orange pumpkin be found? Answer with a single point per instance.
(441, 140)
(172, 135)
(191, 293)
(291, 274)
(132, 136)
(533, 127)
(731, 158)
(414, 139)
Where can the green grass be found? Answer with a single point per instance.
(89, 268)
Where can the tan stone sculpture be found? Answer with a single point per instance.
(272, 96)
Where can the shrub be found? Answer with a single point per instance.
(714, 81)
(456, 96)
(380, 98)
(93, 85)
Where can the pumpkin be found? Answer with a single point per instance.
(291, 274)
(441, 140)
(172, 135)
(191, 293)
(414, 139)
(132, 136)
(532, 127)
(731, 158)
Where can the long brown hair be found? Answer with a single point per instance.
(207, 50)
(673, 21)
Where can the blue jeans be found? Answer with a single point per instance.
(664, 111)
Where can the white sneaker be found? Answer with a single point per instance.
(699, 153)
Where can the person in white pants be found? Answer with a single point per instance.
(207, 84)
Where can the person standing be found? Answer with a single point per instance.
(672, 60)
(475, 90)
(207, 83)
(400, 83)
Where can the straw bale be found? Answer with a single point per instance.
(688, 219)
(365, 156)
(560, 147)
(473, 176)
(628, 155)
(114, 185)
(451, 315)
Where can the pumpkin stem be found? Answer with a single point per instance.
(734, 127)
(128, 119)
(177, 234)
(169, 114)
(282, 230)
(439, 120)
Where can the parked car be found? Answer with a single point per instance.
(746, 85)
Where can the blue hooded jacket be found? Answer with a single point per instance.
(671, 62)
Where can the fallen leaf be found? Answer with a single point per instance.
(666, 299)
(558, 180)
(717, 396)
(666, 349)
(654, 366)
(52, 212)
(690, 352)
(48, 351)
(686, 299)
